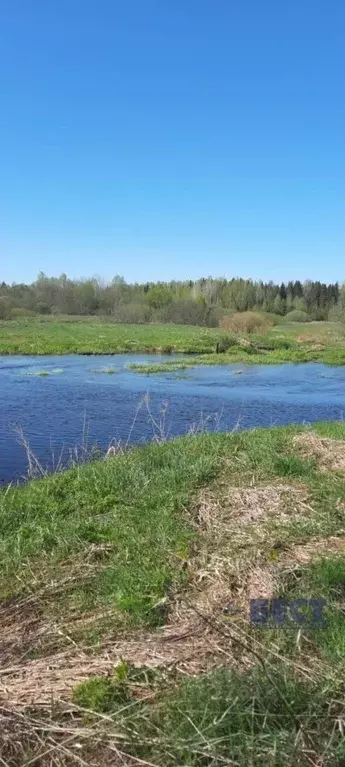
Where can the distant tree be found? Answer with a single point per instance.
(202, 302)
(159, 296)
(5, 308)
(279, 305)
(283, 292)
(298, 289)
(43, 308)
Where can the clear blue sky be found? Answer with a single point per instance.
(164, 139)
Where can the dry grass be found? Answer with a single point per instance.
(250, 539)
(329, 453)
(246, 322)
(249, 505)
(260, 583)
(58, 739)
(315, 549)
(228, 571)
(318, 346)
(41, 681)
(231, 566)
(187, 643)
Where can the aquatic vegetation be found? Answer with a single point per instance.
(249, 355)
(106, 371)
(43, 373)
(33, 373)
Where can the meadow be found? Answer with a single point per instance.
(285, 342)
(124, 616)
(90, 335)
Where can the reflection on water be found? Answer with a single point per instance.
(59, 401)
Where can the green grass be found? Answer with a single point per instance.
(96, 336)
(324, 579)
(131, 508)
(220, 718)
(115, 535)
(124, 513)
(240, 719)
(286, 342)
(246, 356)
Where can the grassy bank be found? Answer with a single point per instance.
(96, 336)
(286, 342)
(246, 356)
(295, 343)
(124, 615)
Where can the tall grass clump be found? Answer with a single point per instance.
(297, 315)
(246, 322)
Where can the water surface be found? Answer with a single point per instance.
(78, 403)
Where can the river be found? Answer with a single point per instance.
(75, 403)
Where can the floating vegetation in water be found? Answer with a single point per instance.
(42, 373)
(106, 371)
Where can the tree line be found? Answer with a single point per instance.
(195, 302)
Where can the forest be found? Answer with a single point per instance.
(201, 302)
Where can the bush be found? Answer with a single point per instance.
(43, 308)
(19, 311)
(134, 313)
(226, 343)
(297, 315)
(246, 322)
(183, 313)
(336, 314)
(5, 308)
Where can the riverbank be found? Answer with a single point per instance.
(125, 589)
(286, 342)
(247, 355)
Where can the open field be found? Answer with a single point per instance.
(125, 585)
(286, 342)
(289, 342)
(91, 335)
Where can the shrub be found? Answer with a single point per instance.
(134, 313)
(297, 315)
(43, 308)
(225, 343)
(336, 314)
(19, 311)
(5, 308)
(183, 312)
(246, 322)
